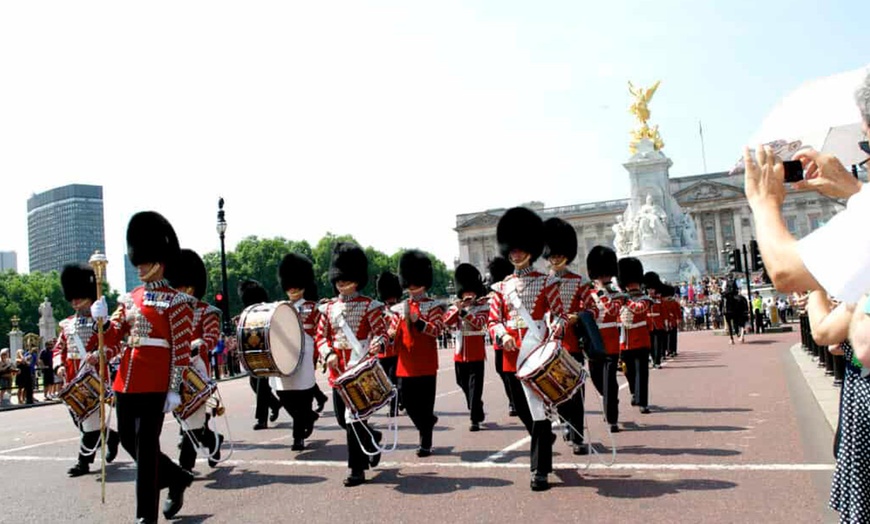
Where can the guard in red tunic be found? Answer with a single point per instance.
(636, 325)
(560, 249)
(605, 304)
(390, 293)
(658, 317)
(190, 277)
(518, 317)
(675, 315)
(153, 326)
(76, 347)
(351, 329)
(419, 324)
(252, 292)
(500, 268)
(468, 317)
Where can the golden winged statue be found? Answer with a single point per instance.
(640, 109)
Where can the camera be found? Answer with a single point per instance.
(794, 171)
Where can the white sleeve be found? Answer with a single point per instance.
(838, 253)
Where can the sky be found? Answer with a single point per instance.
(381, 119)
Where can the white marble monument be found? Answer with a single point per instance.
(47, 323)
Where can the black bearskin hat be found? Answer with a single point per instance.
(630, 272)
(295, 271)
(520, 228)
(311, 292)
(349, 262)
(78, 281)
(415, 269)
(190, 271)
(150, 238)
(559, 239)
(601, 262)
(468, 278)
(252, 292)
(652, 281)
(389, 286)
(499, 268)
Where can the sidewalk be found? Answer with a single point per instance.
(820, 384)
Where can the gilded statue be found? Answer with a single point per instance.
(640, 109)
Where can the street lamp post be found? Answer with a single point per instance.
(225, 303)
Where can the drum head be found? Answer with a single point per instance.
(285, 338)
(538, 357)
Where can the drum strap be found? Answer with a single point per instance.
(339, 320)
(77, 343)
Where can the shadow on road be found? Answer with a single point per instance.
(626, 487)
(481, 455)
(633, 426)
(678, 366)
(686, 409)
(191, 519)
(229, 478)
(672, 452)
(434, 483)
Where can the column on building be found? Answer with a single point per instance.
(720, 243)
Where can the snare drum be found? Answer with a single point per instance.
(270, 339)
(552, 373)
(365, 388)
(82, 395)
(195, 391)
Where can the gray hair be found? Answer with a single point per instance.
(862, 98)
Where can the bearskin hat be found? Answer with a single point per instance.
(468, 278)
(520, 228)
(150, 238)
(601, 262)
(389, 286)
(311, 292)
(630, 272)
(189, 271)
(499, 268)
(252, 292)
(415, 269)
(349, 262)
(559, 239)
(295, 271)
(78, 281)
(652, 281)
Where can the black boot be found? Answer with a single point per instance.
(112, 444)
(81, 468)
(539, 482)
(355, 478)
(175, 499)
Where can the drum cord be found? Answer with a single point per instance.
(201, 449)
(87, 452)
(392, 427)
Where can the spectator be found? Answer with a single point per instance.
(24, 380)
(7, 370)
(45, 361)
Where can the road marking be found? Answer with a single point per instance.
(486, 464)
(516, 445)
(31, 446)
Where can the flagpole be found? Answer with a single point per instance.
(703, 151)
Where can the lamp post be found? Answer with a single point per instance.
(225, 303)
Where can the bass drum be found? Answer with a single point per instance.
(270, 339)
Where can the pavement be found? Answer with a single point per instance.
(735, 435)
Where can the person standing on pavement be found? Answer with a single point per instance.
(24, 379)
(7, 371)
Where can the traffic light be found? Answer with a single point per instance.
(734, 263)
(218, 301)
(755, 254)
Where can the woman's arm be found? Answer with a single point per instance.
(829, 326)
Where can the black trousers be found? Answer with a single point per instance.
(499, 368)
(603, 372)
(89, 441)
(297, 403)
(541, 431)
(672, 341)
(390, 365)
(659, 342)
(140, 421)
(469, 377)
(266, 400)
(637, 373)
(204, 435)
(357, 434)
(418, 397)
(573, 411)
(734, 326)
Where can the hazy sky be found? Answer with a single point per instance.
(381, 119)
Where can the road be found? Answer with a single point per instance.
(734, 436)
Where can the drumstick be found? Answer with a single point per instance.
(98, 261)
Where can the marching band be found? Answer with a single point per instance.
(543, 326)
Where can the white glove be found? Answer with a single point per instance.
(626, 316)
(100, 310)
(173, 400)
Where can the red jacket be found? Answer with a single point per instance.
(154, 327)
(75, 330)
(674, 313)
(572, 290)
(418, 342)
(658, 314)
(637, 333)
(391, 342)
(206, 331)
(365, 319)
(605, 306)
(471, 328)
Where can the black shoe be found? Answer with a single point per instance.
(644, 410)
(274, 416)
(354, 479)
(78, 470)
(260, 425)
(424, 452)
(512, 412)
(580, 449)
(143, 520)
(321, 402)
(566, 433)
(298, 445)
(215, 456)
(112, 451)
(540, 483)
(633, 401)
(474, 427)
(614, 428)
(175, 498)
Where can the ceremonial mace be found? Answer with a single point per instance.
(98, 262)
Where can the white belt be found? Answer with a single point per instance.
(135, 342)
(635, 325)
(653, 314)
(609, 325)
(472, 333)
(520, 324)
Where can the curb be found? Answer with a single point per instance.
(827, 396)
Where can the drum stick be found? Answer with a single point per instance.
(98, 261)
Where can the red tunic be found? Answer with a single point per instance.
(365, 319)
(539, 294)
(572, 290)
(658, 314)
(418, 344)
(77, 339)
(154, 327)
(674, 313)
(391, 343)
(637, 334)
(605, 306)
(206, 331)
(471, 344)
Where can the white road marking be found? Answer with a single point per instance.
(486, 464)
(516, 445)
(40, 444)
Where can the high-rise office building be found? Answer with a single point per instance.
(65, 226)
(8, 260)
(131, 275)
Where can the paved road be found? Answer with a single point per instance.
(735, 436)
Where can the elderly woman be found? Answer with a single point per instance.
(7, 370)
